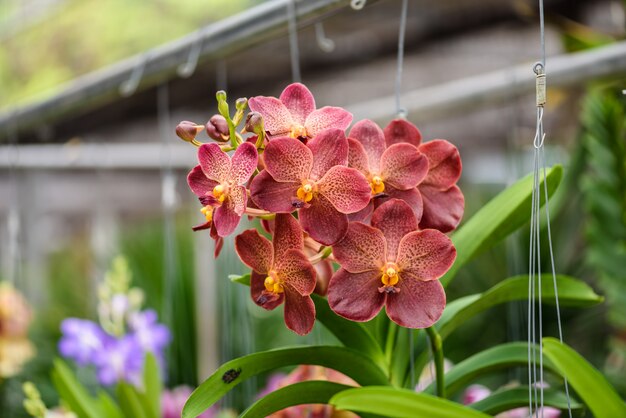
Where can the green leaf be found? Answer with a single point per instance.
(496, 358)
(130, 401)
(518, 397)
(504, 214)
(311, 392)
(108, 406)
(345, 360)
(588, 382)
(72, 392)
(152, 384)
(400, 403)
(351, 334)
(572, 292)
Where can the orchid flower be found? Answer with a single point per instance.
(443, 201)
(399, 167)
(280, 271)
(394, 264)
(314, 179)
(294, 113)
(219, 182)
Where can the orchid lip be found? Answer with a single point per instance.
(306, 192)
(391, 274)
(273, 283)
(377, 185)
(298, 131)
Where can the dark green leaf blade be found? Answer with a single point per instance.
(311, 392)
(588, 382)
(72, 392)
(130, 401)
(345, 360)
(501, 216)
(518, 397)
(400, 403)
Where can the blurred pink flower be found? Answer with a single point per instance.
(475, 393)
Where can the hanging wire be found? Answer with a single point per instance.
(187, 68)
(325, 43)
(401, 112)
(535, 313)
(129, 87)
(294, 51)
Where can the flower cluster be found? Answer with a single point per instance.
(376, 202)
(15, 319)
(118, 343)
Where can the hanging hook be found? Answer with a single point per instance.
(326, 44)
(358, 4)
(129, 87)
(187, 68)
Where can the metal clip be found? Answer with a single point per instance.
(358, 4)
(187, 68)
(129, 87)
(540, 84)
(326, 44)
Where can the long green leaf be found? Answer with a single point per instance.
(152, 384)
(311, 392)
(588, 382)
(500, 217)
(518, 397)
(572, 292)
(72, 392)
(130, 401)
(499, 357)
(351, 334)
(400, 403)
(348, 361)
(108, 406)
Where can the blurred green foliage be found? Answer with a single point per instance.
(39, 50)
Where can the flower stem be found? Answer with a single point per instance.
(323, 253)
(437, 347)
(259, 213)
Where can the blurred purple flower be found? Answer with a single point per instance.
(150, 335)
(119, 359)
(81, 341)
(173, 400)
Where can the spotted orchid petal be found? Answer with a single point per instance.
(299, 312)
(443, 210)
(417, 305)
(394, 219)
(412, 197)
(271, 195)
(363, 215)
(215, 163)
(296, 271)
(444, 163)
(361, 249)
(357, 157)
(322, 221)
(228, 214)
(400, 130)
(276, 117)
(244, 162)
(372, 138)
(346, 188)
(425, 255)
(403, 166)
(298, 99)
(287, 159)
(287, 236)
(329, 148)
(260, 296)
(327, 117)
(355, 296)
(255, 251)
(199, 183)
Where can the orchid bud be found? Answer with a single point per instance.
(254, 123)
(241, 105)
(220, 96)
(187, 130)
(222, 104)
(217, 128)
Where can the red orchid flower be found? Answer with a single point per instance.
(391, 263)
(294, 113)
(280, 272)
(443, 201)
(399, 167)
(314, 179)
(219, 182)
